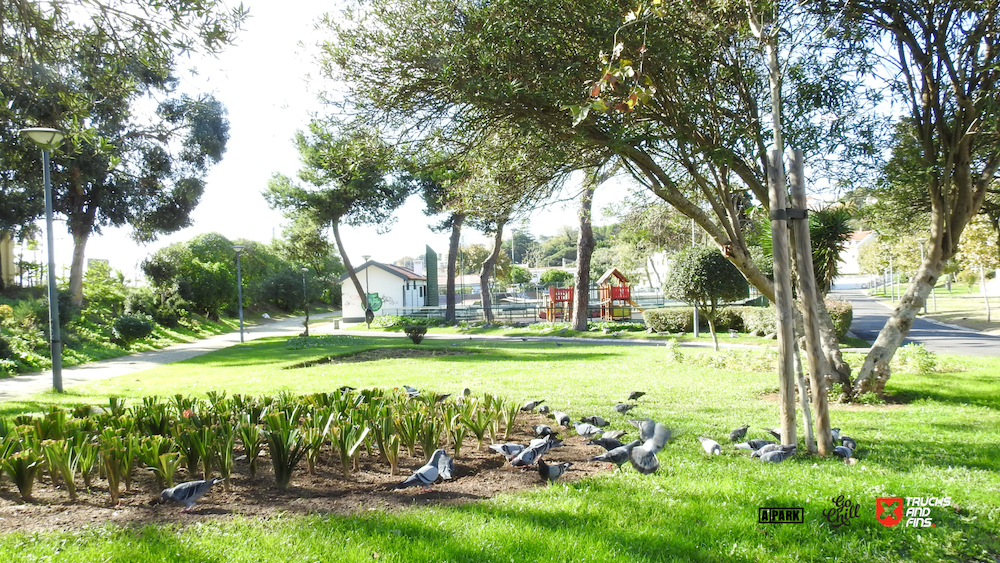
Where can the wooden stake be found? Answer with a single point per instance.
(782, 296)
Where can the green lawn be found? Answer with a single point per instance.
(944, 440)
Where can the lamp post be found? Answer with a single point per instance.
(369, 314)
(48, 140)
(239, 285)
(305, 298)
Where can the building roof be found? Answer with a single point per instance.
(612, 272)
(398, 271)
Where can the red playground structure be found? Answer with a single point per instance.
(615, 296)
(559, 305)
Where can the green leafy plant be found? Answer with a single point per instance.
(21, 467)
(478, 419)
(286, 446)
(223, 444)
(430, 436)
(252, 437)
(408, 426)
(509, 410)
(345, 439)
(112, 451)
(416, 333)
(149, 451)
(61, 458)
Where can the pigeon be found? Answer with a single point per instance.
(618, 455)
(188, 493)
(561, 418)
(466, 392)
(426, 475)
(773, 432)
(595, 420)
(835, 433)
(606, 443)
(535, 450)
(530, 405)
(709, 445)
(345, 388)
(544, 430)
(411, 392)
(643, 457)
(768, 448)
(446, 465)
(754, 444)
(849, 442)
(778, 455)
(509, 450)
(624, 407)
(587, 430)
(552, 472)
(738, 434)
(646, 427)
(843, 452)
(613, 434)
(544, 409)
(635, 395)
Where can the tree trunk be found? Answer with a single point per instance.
(76, 268)
(487, 271)
(350, 269)
(982, 288)
(584, 251)
(453, 249)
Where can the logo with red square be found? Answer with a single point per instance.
(889, 510)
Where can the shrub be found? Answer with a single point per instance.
(841, 313)
(141, 300)
(759, 320)
(915, 358)
(130, 328)
(6, 314)
(669, 319)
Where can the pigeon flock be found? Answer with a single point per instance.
(641, 452)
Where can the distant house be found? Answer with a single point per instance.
(849, 256)
(391, 290)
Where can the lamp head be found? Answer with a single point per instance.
(238, 248)
(45, 137)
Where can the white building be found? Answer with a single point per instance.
(392, 290)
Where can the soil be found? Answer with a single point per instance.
(478, 475)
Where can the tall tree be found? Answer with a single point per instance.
(345, 170)
(946, 61)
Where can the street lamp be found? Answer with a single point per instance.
(369, 314)
(239, 285)
(48, 140)
(305, 298)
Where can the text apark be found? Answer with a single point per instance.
(780, 515)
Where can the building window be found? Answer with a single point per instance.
(421, 292)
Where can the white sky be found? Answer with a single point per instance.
(262, 81)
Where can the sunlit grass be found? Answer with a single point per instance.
(943, 441)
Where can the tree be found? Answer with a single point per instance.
(978, 252)
(345, 169)
(114, 168)
(555, 277)
(702, 277)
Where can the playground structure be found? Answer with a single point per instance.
(615, 296)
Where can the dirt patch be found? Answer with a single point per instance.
(478, 475)
(381, 354)
(891, 404)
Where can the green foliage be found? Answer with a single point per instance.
(415, 332)
(841, 313)
(130, 328)
(915, 358)
(669, 319)
(286, 445)
(555, 277)
(703, 277)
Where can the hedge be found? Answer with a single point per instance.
(752, 320)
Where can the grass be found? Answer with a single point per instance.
(941, 442)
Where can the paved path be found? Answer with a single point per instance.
(32, 383)
(870, 315)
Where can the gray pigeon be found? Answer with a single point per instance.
(531, 405)
(738, 434)
(773, 432)
(646, 427)
(562, 418)
(411, 392)
(624, 407)
(188, 493)
(778, 456)
(544, 409)
(753, 444)
(643, 457)
(426, 475)
(618, 455)
(446, 465)
(843, 452)
(835, 433)
(595, 420)
(849, 442)
(509, 450)
(613, 434)
(587, 430)
(635, 395)
(535, 450)
(768, 448)
(606, 443)
(709, 445)
(552, 472)
(544, 430)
